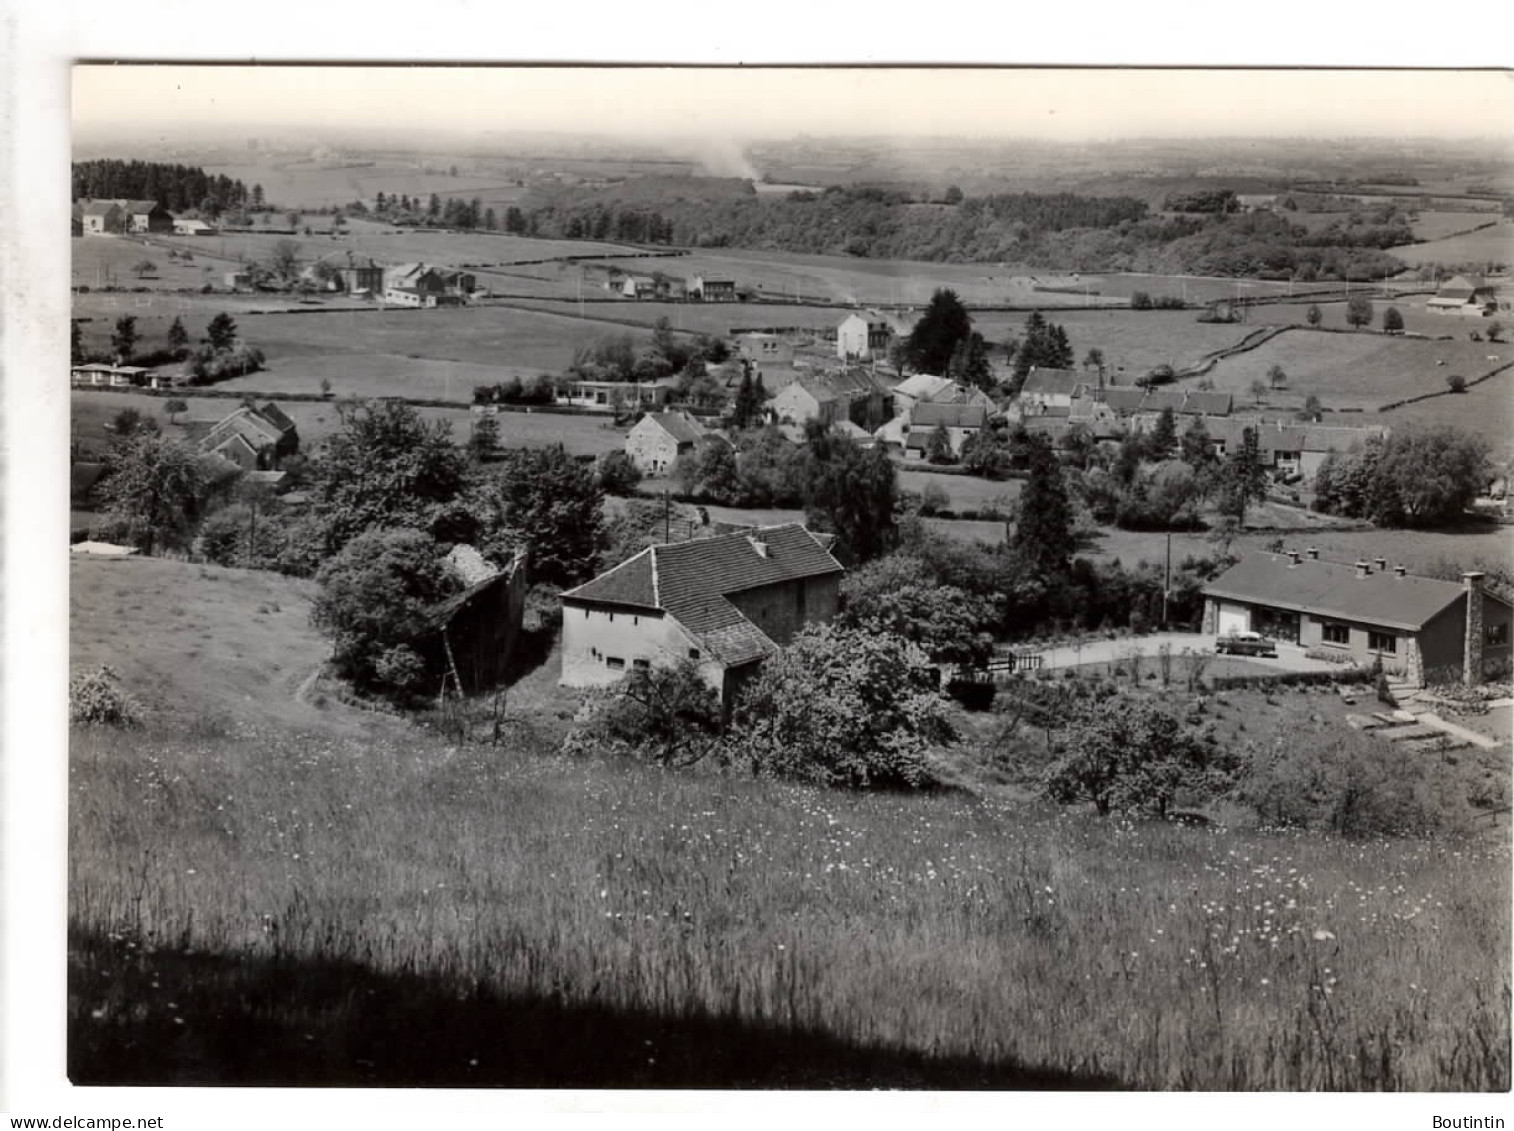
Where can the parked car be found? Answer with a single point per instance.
(1245, 644)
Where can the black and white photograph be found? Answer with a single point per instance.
(829, 579)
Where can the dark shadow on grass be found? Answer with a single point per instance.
(266, 1022)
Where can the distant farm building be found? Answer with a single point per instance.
(1050, 388)
(659, 438)
(1465, 295)
(868, 334)
(704, 288)
(254, 439)
(831, 398)
(960, 421)
(471, 636)
(415, 284)
(185, 227)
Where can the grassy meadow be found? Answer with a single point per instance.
(1494, 244)
(1134, 341)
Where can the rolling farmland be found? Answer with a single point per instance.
(1495, 244)
(1133, 341)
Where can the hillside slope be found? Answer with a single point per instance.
(196, 643)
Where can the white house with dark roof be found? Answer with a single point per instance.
(1464, 294)
(1424, 628)
(726, 603)
(866, 334)
(659, 438)
(1050, 388)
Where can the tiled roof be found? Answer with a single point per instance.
(679, 425)
(691, 580)
(1272, 436)
(1158, 400)
(1048, 382)
(100, 207)
(928, 414)
(1206, 403)
(276, 416)
(1123, 400)
(1334, 589)
(923, 386)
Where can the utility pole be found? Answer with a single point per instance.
(1167, 581)
(667, 517)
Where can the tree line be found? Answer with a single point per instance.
(178, 188)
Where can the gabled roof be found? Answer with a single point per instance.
(1204, 402)
(1160, 399)
(923, 386)
(1462, 285)
(690, 581)
(928, 414)
(1053, 382)
(1122, 400)
(1273, 436)
(276, 416)
(100, 207)
(1334, 589)
(140, 207)
(680, 425)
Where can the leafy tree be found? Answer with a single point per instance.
(1314, 315)
(895, 595)
(1094, 359)
(1393, 321)
(1456, 383)
(143, 268)
(221, 333)
(1495, 331)
(1312, 408)
(1277, 378)
(257, 196)
(667, 714)
(386, 467)
(152, 490)
(1043, 533)
(284, 261)
(174, 406)
(124, 339)
(550, 503)
(843, 707)
(969, 363)
(618, 475)
(374, 603)
(710, 471)
(953, 195)
(1044, 346)
(1427, 476)
(746, 407)
(854, 493)
(937, 334)
(1132, 755)
(128, 422)
(984, 453)
(1359, 311)
(938, 446)
(178, 338)
(1259, 391)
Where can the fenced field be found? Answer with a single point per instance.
(1495, 244)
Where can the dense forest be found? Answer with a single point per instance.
(178, 188)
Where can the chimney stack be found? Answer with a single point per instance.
(1313, 552)
(1292, 558)
(1471, 666)
(1363, 569)
(1380, 563)
(1399, 571)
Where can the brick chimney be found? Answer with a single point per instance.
(1363, 569)
(1380, 564)
(1400, 571)
(1313, 552)
(1471, 663)
(1292, 558)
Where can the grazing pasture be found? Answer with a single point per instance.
(1353, 370)
(98, 261)
(1430, 226)
(966, 492)
(1495, 244)
(1486, 410)
(315, 183)
(1134, 341)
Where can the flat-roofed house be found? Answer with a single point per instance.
(725, 603)
(1424, 628)
(616, 396)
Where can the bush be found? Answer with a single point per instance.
(667, 715)
(1352, 786)
(617, 474)
(844, 707)
(97, 699)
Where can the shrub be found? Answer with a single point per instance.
(617, 474)
(844, 707)
(97, 699)
(667, 715)
(1352, 785)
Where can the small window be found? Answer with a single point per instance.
(615, 662)
(1498, 634)
(1382, 642)
(643, 664)
(693, 653)
(1335, 634)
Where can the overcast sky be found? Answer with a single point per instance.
(738, 103)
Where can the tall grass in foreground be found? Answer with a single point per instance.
(940, 926)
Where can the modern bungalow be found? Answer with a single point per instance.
(1422, 628)
(612, 396)
(726, 603)
(659, 438)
